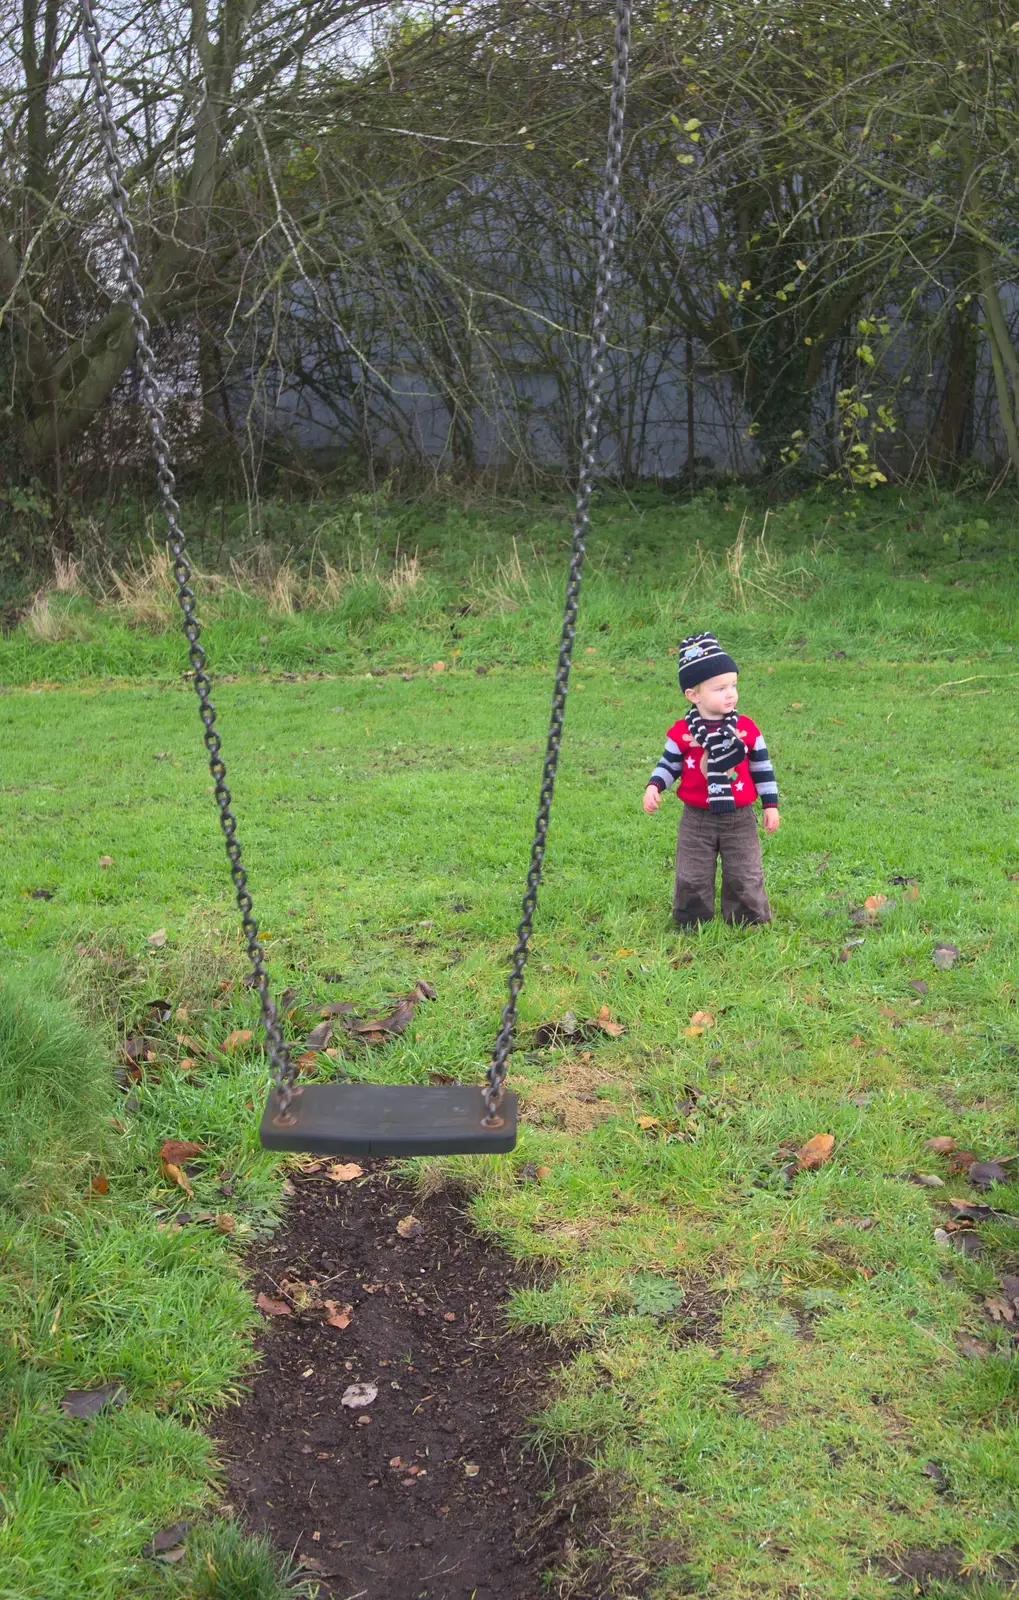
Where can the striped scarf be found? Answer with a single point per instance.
(725, 750)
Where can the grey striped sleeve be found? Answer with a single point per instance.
(763, 773)
(669, 767)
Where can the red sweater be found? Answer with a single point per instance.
(681, 760)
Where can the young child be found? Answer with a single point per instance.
(722, 763)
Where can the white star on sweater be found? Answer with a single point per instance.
(738, 786)
(690, 761)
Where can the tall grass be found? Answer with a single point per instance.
(56, 1094)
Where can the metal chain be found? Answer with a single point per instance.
(283, 1070)
(496, 1076)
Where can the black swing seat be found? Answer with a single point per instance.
(380, 1119)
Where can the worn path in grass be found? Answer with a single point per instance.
(833, 1425)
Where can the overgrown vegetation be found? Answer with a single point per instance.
(790, 1379)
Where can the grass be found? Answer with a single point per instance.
(763, 1381)
(100, 1287)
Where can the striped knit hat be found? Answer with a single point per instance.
(700, 657)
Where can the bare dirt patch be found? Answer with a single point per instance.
(427, 1492)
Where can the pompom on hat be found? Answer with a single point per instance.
(701, 657)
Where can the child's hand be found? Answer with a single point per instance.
(771, 819)
(653, 799)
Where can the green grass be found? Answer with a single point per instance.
(98, 1289)
(775, 1445)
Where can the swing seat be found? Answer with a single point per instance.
(377, 1119)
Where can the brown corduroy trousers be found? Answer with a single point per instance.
(703, 837)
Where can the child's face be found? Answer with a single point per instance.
(715, 697)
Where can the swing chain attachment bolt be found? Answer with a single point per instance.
(283, 1069)
(496, 1076)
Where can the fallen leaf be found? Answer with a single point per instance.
(968, 1244)
(137, 1049)
(541, 1173)
(470, 1470)
(984, 1174)
(338, 1008)
(702, 1020)
(936, 1475)
(235, 1040)
(165, 1544)
(438, 666)
(999, 1310)
(875, 903)
(647, 1122)
(919, 985)
(106, 861)
(174, 1174)
(307, 1061)
(975, 1349)
(941, 1145)
(344, 1172)
(960, 1160)
(815, 1152)
(911, 890)
(339, 1316)
(927, 1180)
(607, 1024)
(1010, 1288)
(100, 1184)
(156, 941)
(409, 1227)
(273, 1308)
(178, 1150)
(945, 956)
(694, 1033)
(682, 960)
(374, 1030)
(89, 1402)
(224, 1221)
(319, 1037)
(357, 1395)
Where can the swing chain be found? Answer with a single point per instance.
(283, 1070)
(496, 1076)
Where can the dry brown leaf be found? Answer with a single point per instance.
(174, 1174)
(273, 1308)
(647, 1122)
(224, 1222)
(307, 1061)
(177, 1150)
(156, 941)
(339, 1316)
(875, 903)
(607, 1023)
(105, 861)
(693, 1033)
(100, 1184)
(702, 1020)
(999, 1310)
(961, 1161)
(319, 1037)
(541, 1173)
(815, 1152)
(344, 1172)
(235, 1040)
(438, 666)
(941, 1145)
(409, 1227)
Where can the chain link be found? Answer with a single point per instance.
(283, 1069)
(496, 1076)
